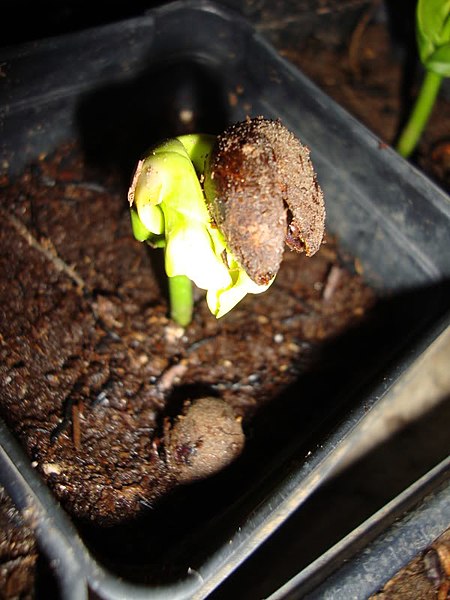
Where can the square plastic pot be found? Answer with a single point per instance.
(109, 87)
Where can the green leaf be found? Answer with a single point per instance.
(439, 61)
(433, 27)
(140, 231)
(190, 252)
(198, 146)
(221, 300)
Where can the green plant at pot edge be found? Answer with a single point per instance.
(169, 211)
(433, 41)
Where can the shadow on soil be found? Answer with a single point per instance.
(117, 125)
(119, 122)
(194, 521)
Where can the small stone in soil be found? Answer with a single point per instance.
(203, 440)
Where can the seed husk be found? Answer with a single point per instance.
(262, 192)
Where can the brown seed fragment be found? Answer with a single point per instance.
(301, 191)
(262, 192)
(246, 201)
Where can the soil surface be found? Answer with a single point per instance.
(18, 553)
(94, 375)
(92, 370)
(376, 79)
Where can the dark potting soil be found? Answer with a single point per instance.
(377, 78)
(90, 365)
(18, 552)
(92, 369)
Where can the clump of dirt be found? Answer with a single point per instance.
(263, 192)
(91, 366)
(203, 440)
(426, 576)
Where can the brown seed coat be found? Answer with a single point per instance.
(262, 192)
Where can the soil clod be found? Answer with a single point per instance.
(204, 440)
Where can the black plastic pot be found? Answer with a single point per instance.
(109, 87)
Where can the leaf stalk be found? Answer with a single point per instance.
(181, 299)
(420, 114)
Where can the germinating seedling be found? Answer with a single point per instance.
(433, 42)
(222, 208)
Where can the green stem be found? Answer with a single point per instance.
(181, 299)
(420, 114)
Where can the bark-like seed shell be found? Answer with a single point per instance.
(262, 192)
(302, 194)
(246, 200)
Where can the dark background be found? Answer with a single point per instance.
(23, 20)
(282, 20)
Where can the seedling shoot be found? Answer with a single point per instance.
(433, 42)
(222, 209)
